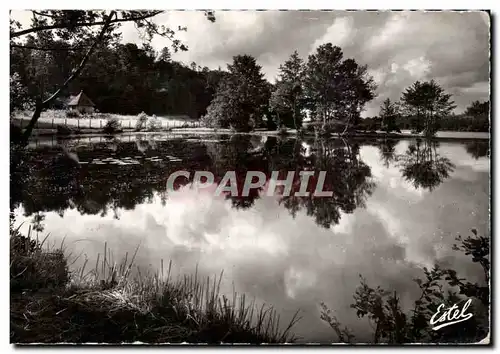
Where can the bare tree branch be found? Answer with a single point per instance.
(46, 49)
(75, 74)
(41, 14)
(82, 24)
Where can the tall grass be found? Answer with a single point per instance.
(32, 267)
(118, 302)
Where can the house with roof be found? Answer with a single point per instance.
(81, 103)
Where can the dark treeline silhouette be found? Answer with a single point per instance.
(122, 78)
(425, 107)
(49, 55)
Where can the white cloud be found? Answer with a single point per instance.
(418, 67)
(394, 27)
(337, 34)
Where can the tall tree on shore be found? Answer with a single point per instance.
(287, 99)
(426, 102)
(242, 97)
(82, 32)
(389, 112)
(478, 109)
(336, 89)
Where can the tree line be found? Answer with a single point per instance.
(122, 78)
(67, 51)
(333, 89)
(426, 107)
(67, 40)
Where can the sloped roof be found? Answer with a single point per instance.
(80, 100)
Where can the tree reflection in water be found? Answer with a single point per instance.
(50, 179)
(347, 176)
(423, 165)
(478, 148)
(387, 149)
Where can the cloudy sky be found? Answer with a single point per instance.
(398, 47)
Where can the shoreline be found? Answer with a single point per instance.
(445, 135)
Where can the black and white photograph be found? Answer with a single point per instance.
(250, 177)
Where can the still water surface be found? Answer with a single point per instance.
(397, 207)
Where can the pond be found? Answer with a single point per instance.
(397, 206)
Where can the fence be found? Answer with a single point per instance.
(53, 141)
(99, 123)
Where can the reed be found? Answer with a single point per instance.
(117, 302)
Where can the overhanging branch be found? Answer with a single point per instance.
(107, 23)
(82, 24)
(41, 106)
(47, 49)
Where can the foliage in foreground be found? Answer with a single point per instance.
(394, 326)
(112, 126)
(108, 305)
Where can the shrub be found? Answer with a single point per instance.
(103, 115)
(154, 124)
(112, 126)
(211, 121)
(16, 133)
(64, 130)
(141, 122)
(72, 114)
(33, 268)
(283, 131)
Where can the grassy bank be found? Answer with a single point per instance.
(106, 304)
(50, 119)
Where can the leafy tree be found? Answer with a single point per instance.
(164, 55)
(242, 97)
(426, 102)
(480, 113)
(287, 98)
(477, 109)
(370, 124)
(336, 89)
(453, 122)
(389, 112)
(75, 30)
(18, 93)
